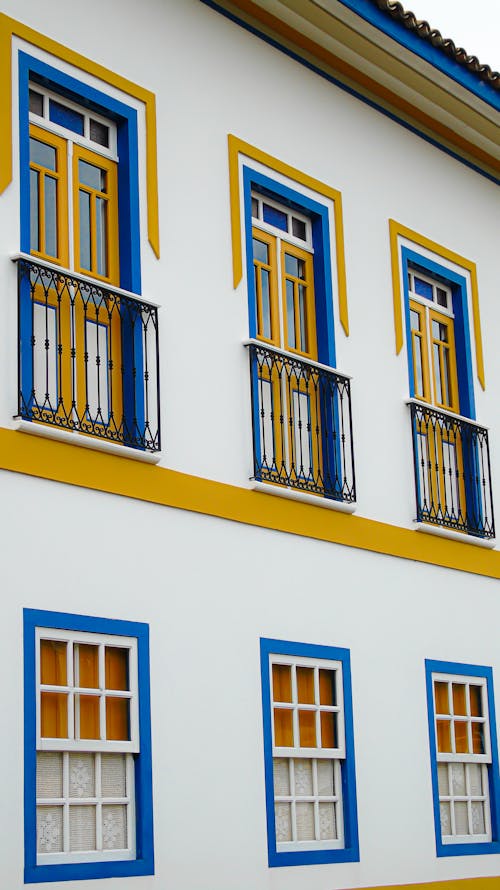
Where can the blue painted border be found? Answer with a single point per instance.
(416, 261)
(350, 852)
(144, 862)
(369, 11)
(466, 670)
(347, 89)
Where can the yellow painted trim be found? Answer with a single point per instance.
(10, 27)
(237, 147)
(47, 459)
(454, 884)
(397, 230)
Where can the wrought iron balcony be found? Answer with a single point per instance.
(88, 357)
(302, 424)
(452, 471)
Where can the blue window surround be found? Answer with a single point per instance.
(465, 670)
(350, 852)
(414, 261)
(125, 118)
(144, 862)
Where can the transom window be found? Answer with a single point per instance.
(433, 342)
(87, 733)
(463, 754)
(308, 746)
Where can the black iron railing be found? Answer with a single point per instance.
(302, 424)
(88, 357)
(452, 471)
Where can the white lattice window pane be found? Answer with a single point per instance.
(461, 818)
(82, 828)
(305, 821)
(458, 778)
(327, 824)
(82, 775)
(113, 775)
(475, 778)
(281, 777)
(443, 783)
(325, 778)
(49, 781)
(283, 821)
(303, 778)
(478, 820)
(114, 827)
(49, 829)
(444, 813)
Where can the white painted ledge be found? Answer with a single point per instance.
(295, 494)
(73, 437)
(463, 537)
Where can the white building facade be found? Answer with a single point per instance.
(249, 448)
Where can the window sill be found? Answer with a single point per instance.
(295, 494)
(463, 537)
(83, 441)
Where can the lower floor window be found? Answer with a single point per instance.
(309, 754)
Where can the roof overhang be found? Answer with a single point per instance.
(361, 48)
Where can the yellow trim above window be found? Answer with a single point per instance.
(11, 28)
(397, 230)
(238, 147)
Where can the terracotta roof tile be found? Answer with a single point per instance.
(431, 35)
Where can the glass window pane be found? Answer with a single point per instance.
(283, 822)
(441, 697)
(445, 818)
(305, 821)
(54, 715)
(414, 320)
(459, 702)
(85, 250)
(36, 103)
(87, 666)
(49, 829)
(34, 210)
(327, 690)
(307, 729)
(91, 176)
(327, 826)
(265, 304)
(275, 217)
(302, 318)
(82, 775)
(447, 376)
(53, 662)
(101, 236)
(66, 117)
(117, 718)
(99, 133)
(422, 288)
(303, 777)
(443, 736)
(255, 208)
(443, 782)
(478, 746)
(260, 251)
(441, 297)
(437, 374)
(116, 661)
(419, 376)
(82, 828)
(283, 728)
(290, 315)
(461, 818)
(281, 776)
(42, 154)
(328, 729)
(282, 682)
(292, 265)
(299, 228)
(458, 779)
(461, 740)
(50, 216)
(476, 702)
(478, 820)
(87, 711)
(305, 685)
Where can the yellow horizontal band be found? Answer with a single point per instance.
(455, 884)
(9, 28)
(238, 147)
(47, 459)
(398, 230)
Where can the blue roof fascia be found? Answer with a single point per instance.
(367, 10)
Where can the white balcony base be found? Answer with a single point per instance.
(73, 437)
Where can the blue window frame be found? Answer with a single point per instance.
(57, 629)
(308, 754)
(464, 758)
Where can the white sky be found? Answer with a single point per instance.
(473, 24)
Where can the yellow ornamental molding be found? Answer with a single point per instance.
(396, 231)
(11, 28)
(238, 147)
